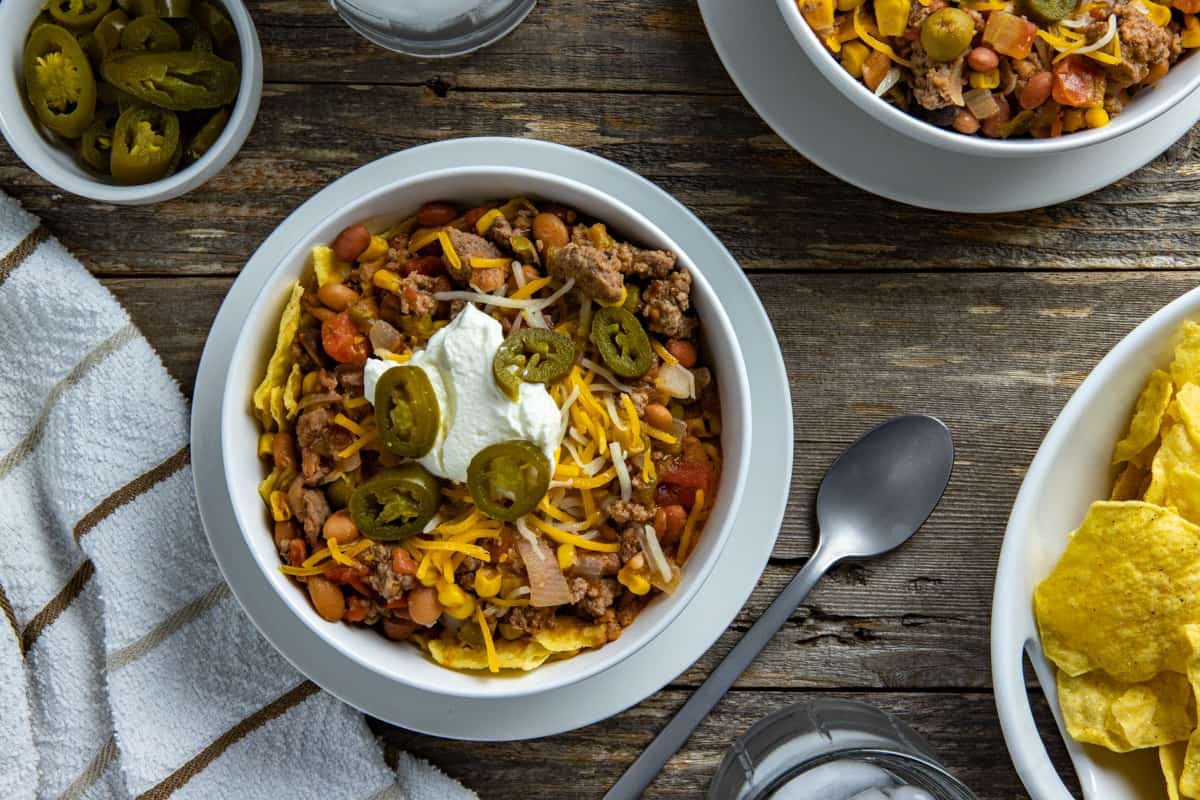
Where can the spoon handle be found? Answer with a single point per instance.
(647, 766)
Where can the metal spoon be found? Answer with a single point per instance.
(874, 498)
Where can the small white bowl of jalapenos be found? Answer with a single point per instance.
(128, 101)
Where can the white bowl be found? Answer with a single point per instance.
(1147, 105)
(405, 663)
(1070, 470)
(47, 155)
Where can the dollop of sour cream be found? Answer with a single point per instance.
(475, 413)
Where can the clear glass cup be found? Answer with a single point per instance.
(833, 749)
(433, 28)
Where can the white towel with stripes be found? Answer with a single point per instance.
(126, 668)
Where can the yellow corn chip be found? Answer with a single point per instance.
(1123, 716)
(1127, 582)
(1170, 758)
(327, 267)
(1129, 483)
(1186, 366)
(292, 391)
(1189, 775)
(268, 404)
(1188, 403)
(571, 634)
(1147, 417)
(523, 654)
(1175, 474)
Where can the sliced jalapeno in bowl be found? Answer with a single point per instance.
(532, 355)
(150, 33)
(508, 479)
(396, 503)
(95, 146)
(78, 14)
(180, 81)
(407, 412)
(621, 341)
(145, 144)
(59, 80)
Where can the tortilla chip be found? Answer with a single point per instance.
(268, 397)
(1189, 775)
(570, 635)
(1147, 417)
(1170, 758)
(1120, 716)
(523, 654)
(292, 391)
(1175, 474)
(1186, 366)
(1129, 483)
(1116, 601)
(327, 268)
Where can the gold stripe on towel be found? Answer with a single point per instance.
(159, 633)
(132, 490)
(7, 608)
(57, 604)
(192, 768)
(18, 254)
(92, 772)
(27, 445)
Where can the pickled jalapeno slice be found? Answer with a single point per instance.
(407, 413)
(150, 33)
(532, 355)
(208, 134)
(95, 146)
(180, 81)
(78, 14)
(396, 503)
(621, 341)
(59, 81)
(508, 479)
(145, 144)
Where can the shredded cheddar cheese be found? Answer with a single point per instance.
(448, 250)
(689, 527)
(663, 352)
(478, 262)
(874, 43)
(564, 537)
(493, 661)
(424, 240)
(484, 224)
(349, 424)
(451, 546)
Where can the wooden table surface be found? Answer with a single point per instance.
(988, 322)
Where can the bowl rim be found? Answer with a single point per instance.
(1153, 102)
(32, 145)
(731, 375)
(1013, 627)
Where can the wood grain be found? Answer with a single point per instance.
(591, 759)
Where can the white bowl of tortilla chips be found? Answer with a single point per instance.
(1099, 576)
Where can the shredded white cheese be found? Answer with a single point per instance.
(656, 556)
(587, 363)
(618, 458)
(1103, 40)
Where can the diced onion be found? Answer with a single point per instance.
(677, 381)
(889, 80)
(980, 103)
(437, 519)
(622, 471)
(530, 537)
(547, 585)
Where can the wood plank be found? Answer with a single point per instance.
(758, 196)
(961, 729)
(995, 355)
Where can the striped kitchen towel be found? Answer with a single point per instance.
(126, 667)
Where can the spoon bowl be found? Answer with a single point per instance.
(882, 488)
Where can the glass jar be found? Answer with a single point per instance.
(433, 28)
(833, 749)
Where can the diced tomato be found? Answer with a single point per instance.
(694, 476)
(1187, 6)
(1009, 34)
(672, 494)
(402, 562)
(340, 573)
(342, 341)
(359, 608)
(362, 588)
(1078, 82)
(397, 603)
(423, 265)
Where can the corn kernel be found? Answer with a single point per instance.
(311, 383)
(892, 16)
(566, 556)
(280, 511)
(427, 573)
(376, 250)
(854, 55)
(387, 280)
(632, 581)
(266, 445)
(463, 611)
(509, 584)
(1095, 117)
(449, 595)
(985, 80)
(487, 581)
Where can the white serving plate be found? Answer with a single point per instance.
(716, 601)
(789, 92)
(1070, 470)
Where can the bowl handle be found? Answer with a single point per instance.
(1021, 733)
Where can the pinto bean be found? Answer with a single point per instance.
(965, 122)
(1036, 91)
(676, 519)
(283, 451)
(351, 242)
(473, 216)
(982, 59)
(550, 231)
(435, 215)
(337, 296)
(326, 598)
(423, 605)
(341, 527)
(684, 352)
(398, 630)
(285, 531)
(656, 414)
